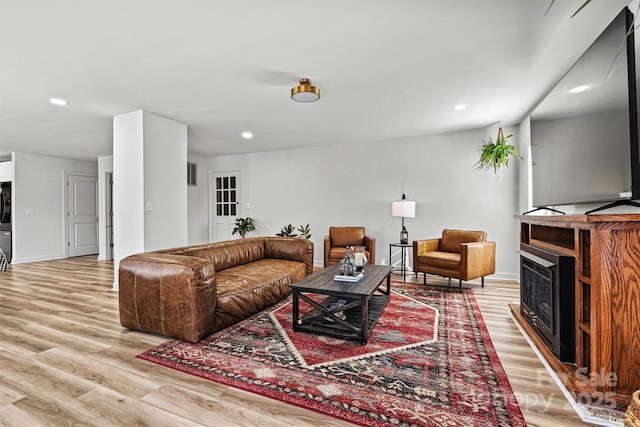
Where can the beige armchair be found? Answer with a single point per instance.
(461, 254)
(339, 238)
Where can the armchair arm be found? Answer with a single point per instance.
(327, 248)
(370, 244)
(421, 247)
(477, 259)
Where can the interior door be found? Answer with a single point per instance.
(224, 207)
(82, 215)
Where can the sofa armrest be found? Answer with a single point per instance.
(291, 248)
(370, 244)
(171, 295)
(477, 259)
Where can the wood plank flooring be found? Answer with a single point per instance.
(65, 360)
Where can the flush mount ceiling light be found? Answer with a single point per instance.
(459, 107)
(247, 135)
(58, 101)
(305, 92)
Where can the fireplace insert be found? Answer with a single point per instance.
(547, 294)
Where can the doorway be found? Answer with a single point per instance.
(224, 204)
(108, 214)
(82, 215)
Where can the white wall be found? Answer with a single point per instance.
(149, 184)
(39, 187)
(165, 183)
(354, 184)
(197, 203)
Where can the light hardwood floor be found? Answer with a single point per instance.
(65, 360)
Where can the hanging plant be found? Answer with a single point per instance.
(495, 155)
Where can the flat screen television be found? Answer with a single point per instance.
(584, 133)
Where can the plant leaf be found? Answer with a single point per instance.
(581, 7)
(549, 8)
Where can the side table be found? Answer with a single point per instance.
(403, 253)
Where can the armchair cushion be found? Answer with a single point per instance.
(441, 259)
(346, 236)
(453, 239)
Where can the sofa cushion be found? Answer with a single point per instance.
(452, 239)
(449, 260)
(228, 254)
(245, 290)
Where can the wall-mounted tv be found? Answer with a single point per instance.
(584, 133)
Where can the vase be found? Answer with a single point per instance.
(359, 257)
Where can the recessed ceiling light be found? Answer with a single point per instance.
(579, 89)
(460, 107)
(247, 135)
(58, 101)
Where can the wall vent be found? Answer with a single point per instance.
(192, 174)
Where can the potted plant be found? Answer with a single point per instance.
(243, 226)
(287, 231)
(495, 155)
(305, 231)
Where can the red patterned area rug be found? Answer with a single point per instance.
(429, 362)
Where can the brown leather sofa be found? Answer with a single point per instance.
(191, 292)
(458, 254)
(335, 244)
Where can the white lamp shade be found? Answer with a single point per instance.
(404, 208)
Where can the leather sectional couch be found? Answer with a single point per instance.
(191, 292)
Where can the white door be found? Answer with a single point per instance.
(82, 215)
(224, 206)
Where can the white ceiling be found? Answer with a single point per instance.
(386, 69)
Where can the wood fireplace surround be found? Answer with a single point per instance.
(606, 249)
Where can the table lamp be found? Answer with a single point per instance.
(405, 209)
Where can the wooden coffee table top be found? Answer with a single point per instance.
(322, 281)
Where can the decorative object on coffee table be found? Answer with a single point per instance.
(359, 257)
(348, 265)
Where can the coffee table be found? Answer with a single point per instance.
(365, 301)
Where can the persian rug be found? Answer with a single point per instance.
(429, 362)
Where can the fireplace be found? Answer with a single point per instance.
(547, 293)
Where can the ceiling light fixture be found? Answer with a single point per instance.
(247, 135)
(58, 101)
(460, 107)
(305, 92)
